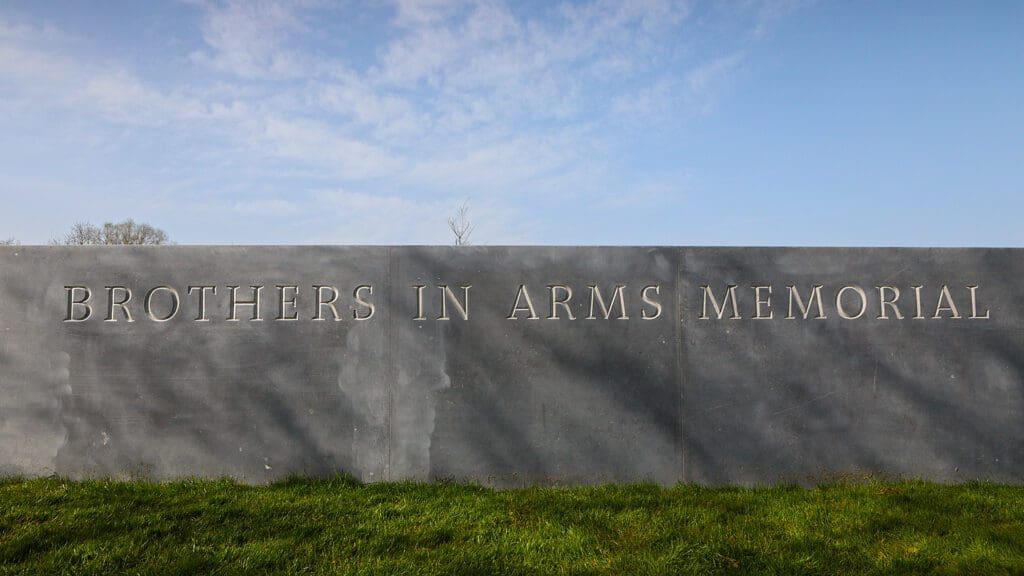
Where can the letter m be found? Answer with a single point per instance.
(606, 310)
(729, 298)
(805, 309)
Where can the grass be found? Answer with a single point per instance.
(54, 526)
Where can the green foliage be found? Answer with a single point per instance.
(340, 527)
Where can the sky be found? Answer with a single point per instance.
(643, 122)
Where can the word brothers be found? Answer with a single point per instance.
(230, 303)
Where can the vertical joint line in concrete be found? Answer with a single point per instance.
(389, 338)
(680, 376)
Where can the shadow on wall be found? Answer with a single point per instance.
(804, 401)
(252, 400)
(545, 401)
(34, 382)
(509, 402)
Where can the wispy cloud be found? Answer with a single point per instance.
(771, 11)
(452, 98)
(248, 38)
(270, 207)
(354, 217)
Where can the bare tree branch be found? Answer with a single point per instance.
(128, 232)
(112, 233)
(460, 225)
(9, 242)
(81, 234)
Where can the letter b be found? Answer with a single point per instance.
(75, 304)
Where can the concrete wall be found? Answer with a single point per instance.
(669, 392)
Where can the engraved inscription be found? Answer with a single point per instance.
(606, 310)
(78, 309)
(650, 302)
(763, 302)
(322, 301)
(173, 302)
(848, 302)
(286, 306)
(859, 295)
(560, 296)
(229, 303)
(253, 303)
(974, 304)
(523, 303)
(946, 304)
(805, 309)
(363, 302)
(291, 302)
(728, 298)
(201, 300)
(124, 296)
(462, 307)
(610, 302)
(889, 303)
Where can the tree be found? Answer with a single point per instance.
(113, 233)
(460, 225)
(9, 242)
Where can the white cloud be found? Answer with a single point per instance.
(771, 11)
(268, 207)
(32, 60)
(356, 102)
(44, 34)
(418, 12)
(513, 163)
(702, 81)
(313, 142)
(458, 98)
(363, 218)
(248, 37)
(344, 216)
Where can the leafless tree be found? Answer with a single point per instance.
(128, 232)
(460, 225)
(81, 234)
(9, 242)
(112, 233)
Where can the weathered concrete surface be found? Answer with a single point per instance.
(669, 393)
(801, 400)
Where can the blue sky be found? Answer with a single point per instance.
(645, 122)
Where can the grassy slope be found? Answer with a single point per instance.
(328, 527)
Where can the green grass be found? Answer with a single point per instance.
(54, 527)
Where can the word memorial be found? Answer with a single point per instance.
(511, 366)
(850, 303)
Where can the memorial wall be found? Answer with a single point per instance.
(510, 366)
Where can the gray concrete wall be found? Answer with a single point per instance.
(684, 387)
